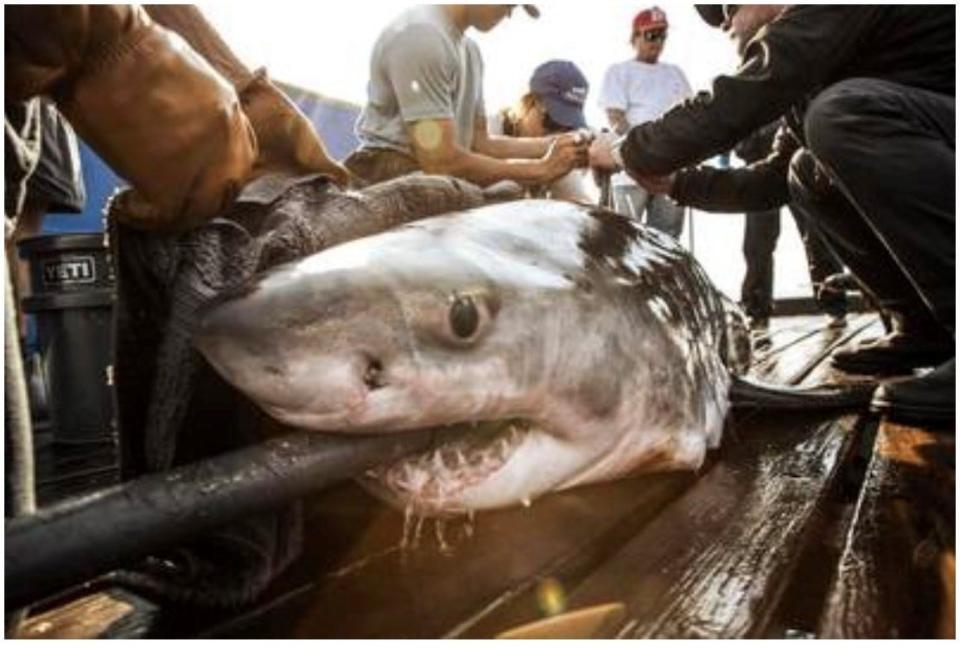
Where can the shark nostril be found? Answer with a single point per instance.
(373, 375)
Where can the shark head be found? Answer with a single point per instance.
(494, 320)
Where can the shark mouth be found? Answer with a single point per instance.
(431, 482)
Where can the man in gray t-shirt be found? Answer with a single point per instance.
(425, 107)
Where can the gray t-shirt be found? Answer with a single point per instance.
(421, 68)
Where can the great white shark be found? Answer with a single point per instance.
(571, 345)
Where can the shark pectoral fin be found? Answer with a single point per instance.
(756, 395)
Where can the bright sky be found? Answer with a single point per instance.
(328, 50)
(325, 47)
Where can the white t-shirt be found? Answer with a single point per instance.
(643, 91)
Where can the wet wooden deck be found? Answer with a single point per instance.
(814, 525)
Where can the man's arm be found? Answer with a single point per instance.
(436, 150)
(757, 187)
(618, 121)
(613, 100)
(286, 139)
(420, 70)
(176, 133)
(507, 147)
(788, 59)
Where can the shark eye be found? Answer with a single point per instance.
(464, 317)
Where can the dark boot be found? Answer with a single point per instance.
(893, 354)
(925, 399)
(833, 304)
(913, 344)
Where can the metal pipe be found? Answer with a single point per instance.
(18, 482)
(73, 541)
(606, 196)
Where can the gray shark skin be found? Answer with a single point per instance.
(572, 346)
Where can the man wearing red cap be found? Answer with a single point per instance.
(868, 96)
(634, 92)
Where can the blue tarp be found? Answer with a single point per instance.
(101, 182)
(333, 119)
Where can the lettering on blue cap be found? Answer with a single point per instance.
(577, 94)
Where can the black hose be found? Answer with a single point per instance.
(756, 395)
(73, 541)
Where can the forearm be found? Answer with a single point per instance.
(618, 121)
(723, 190)
(177, 133)
(189, 23)
(508, 147)
(484, 170)
(759, 186)
(47, 46)
(285, 137)
(694, 131)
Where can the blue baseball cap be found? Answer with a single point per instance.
(563, 89)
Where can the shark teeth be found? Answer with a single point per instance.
(429, 480)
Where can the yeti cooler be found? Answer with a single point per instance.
(71, 300)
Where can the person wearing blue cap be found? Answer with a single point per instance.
(553, 104)
(425, 109)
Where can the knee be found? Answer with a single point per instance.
(834, 116)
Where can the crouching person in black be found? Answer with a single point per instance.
(867, 161)
(761, 231)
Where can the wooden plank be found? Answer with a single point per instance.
(107, 613)
(896, 577)
(783, 334)
(795, 362)
(714, 562)
(801, 602)
(375, 589)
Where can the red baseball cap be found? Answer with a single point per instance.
(651, 18)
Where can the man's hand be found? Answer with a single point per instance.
(601, 152)
(602, 161)
(656, 184)
(618, 121)
(568, 151)
(287, 140)
(580, 138)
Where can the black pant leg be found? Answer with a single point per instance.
(823, 209)
(821, 263)
(890, 150)
(761, 231)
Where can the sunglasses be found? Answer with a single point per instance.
(654, 35)
(729, 11)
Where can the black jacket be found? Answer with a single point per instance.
(803, 51)
(757, 146)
